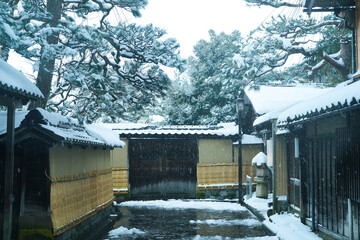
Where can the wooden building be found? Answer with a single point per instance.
(269, 102)
(63, 175)
(15, 91)
(175, 161)
(327, 131)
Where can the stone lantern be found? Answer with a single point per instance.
(262, 175)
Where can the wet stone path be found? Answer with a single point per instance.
(186, 220)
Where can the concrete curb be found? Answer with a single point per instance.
(261, 218)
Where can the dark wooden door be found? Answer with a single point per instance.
(162, 168)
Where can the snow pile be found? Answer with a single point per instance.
(287, 226)
(259, 204)
(269, 98)
(259, 159)
(217, 185)
(223, 222)
(337, 97)
(198, 237)
(180, 205)
(13, 79)
(121, 231)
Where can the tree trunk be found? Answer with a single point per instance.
(346, 56)
(47, 65)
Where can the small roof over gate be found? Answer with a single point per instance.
(15, 84)
(134, 129)
(62, 129)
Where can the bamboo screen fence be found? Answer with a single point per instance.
(119, 163)
(120, 179)
(218, 162)
(87, 189)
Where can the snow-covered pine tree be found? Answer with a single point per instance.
(213, 92)
(85, 66)
(324, 43)
(228, 63)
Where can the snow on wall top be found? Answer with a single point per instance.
(65, 127)
(249, 139)
(270, 98)
(12, 80)
(222, 129)
(344, 95)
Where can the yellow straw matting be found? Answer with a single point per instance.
(75, 197)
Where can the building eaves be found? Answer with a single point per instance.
(343, 98)
(14, 83)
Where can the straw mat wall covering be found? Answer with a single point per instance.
(120, 178)
(77, 197)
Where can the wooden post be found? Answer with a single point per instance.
(303, 157)
(240, 163)
(351, 237)
(9, 173)
(274, 164)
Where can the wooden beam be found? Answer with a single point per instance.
(9, 174)
(10, 101)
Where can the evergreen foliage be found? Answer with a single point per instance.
(226, 64)
(85, 66)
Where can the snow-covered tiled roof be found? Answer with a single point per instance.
(223, 129)
(270, 98)
(14, 81)
(343, 96)
(64, 128)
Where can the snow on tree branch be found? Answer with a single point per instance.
(93, 68)
(275, 3)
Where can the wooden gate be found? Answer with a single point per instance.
(162, 168)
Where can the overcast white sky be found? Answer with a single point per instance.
(190, 20)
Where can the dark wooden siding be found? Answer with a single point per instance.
(333, 178)
(348, 162)
(36, 156)
(2, 182)
(162, 168)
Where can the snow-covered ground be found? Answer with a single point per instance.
(285, 226)
(181, 204)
